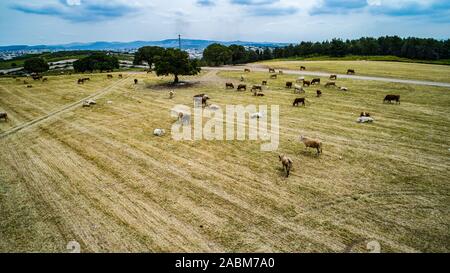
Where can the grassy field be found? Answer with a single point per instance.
(414, 71)
(98, 175)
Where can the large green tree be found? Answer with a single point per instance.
(175, 62)
(36, 65)
(147, 54)
(217, 54)
(96, 61)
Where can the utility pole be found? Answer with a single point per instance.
(179, 41)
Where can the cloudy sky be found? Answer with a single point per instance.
(65, 21)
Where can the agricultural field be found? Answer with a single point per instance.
(401, 70)
(98, 175)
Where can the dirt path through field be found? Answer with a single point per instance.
(263, 68)
(61, 110)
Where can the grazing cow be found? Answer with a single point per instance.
(256, 88)
(242, 87)
(312, 143)
(247, 70)
(289, 85)
(333, 77)
(29, 86)
(390, 98)
(299, 101)
(287, 164)
(264, 82)
(306, 83)
(319, 93)
(364, 120)
(302, 68)
(271, 70)
(4, 115)
(36, 77)
(86, 79)
(330, 84)
(351, 71)
(80, 81)
(109, 76)
(204, 99)
(342, 88)
(120, 76)
(300, 79)
(229, 85)
(159, 132)
(184, 119)
(298, 89)
(315, 81)
(136, 81)
(258, 94)
(274, 76)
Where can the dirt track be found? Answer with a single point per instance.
(262, 68)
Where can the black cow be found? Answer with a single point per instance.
(390, 98)
(299, 101)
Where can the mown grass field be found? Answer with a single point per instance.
(98, 175)
(413, 71)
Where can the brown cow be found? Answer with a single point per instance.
(256, 88)
(247, 70)
(302, 68)
(271, 70)
(333, 77)
(136, 81)
(289, 85)
(315, 81)
(229, 85)
(4, 115)
(274, 76)
(109, 76)
(298, 101)
(264, 82)
(306, 83)
(120, 76)
(242, 87)
(390, 98)
(364, 114)
(351, 71)
(330, 84)
(319, 93)
(287, 164)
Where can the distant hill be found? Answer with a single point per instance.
(186, 44)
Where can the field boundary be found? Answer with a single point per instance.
(64, 109)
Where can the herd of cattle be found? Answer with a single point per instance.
(257, 90)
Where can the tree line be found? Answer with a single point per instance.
(411, 48)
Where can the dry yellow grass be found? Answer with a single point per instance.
(99, 177)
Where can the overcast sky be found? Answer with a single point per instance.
(64, 21)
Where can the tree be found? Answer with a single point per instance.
(238, 54)
(175, 62)
(13, 65)
(36, 65)
(147, 54)
(96, 61)
(338, 48)
(217, 54)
